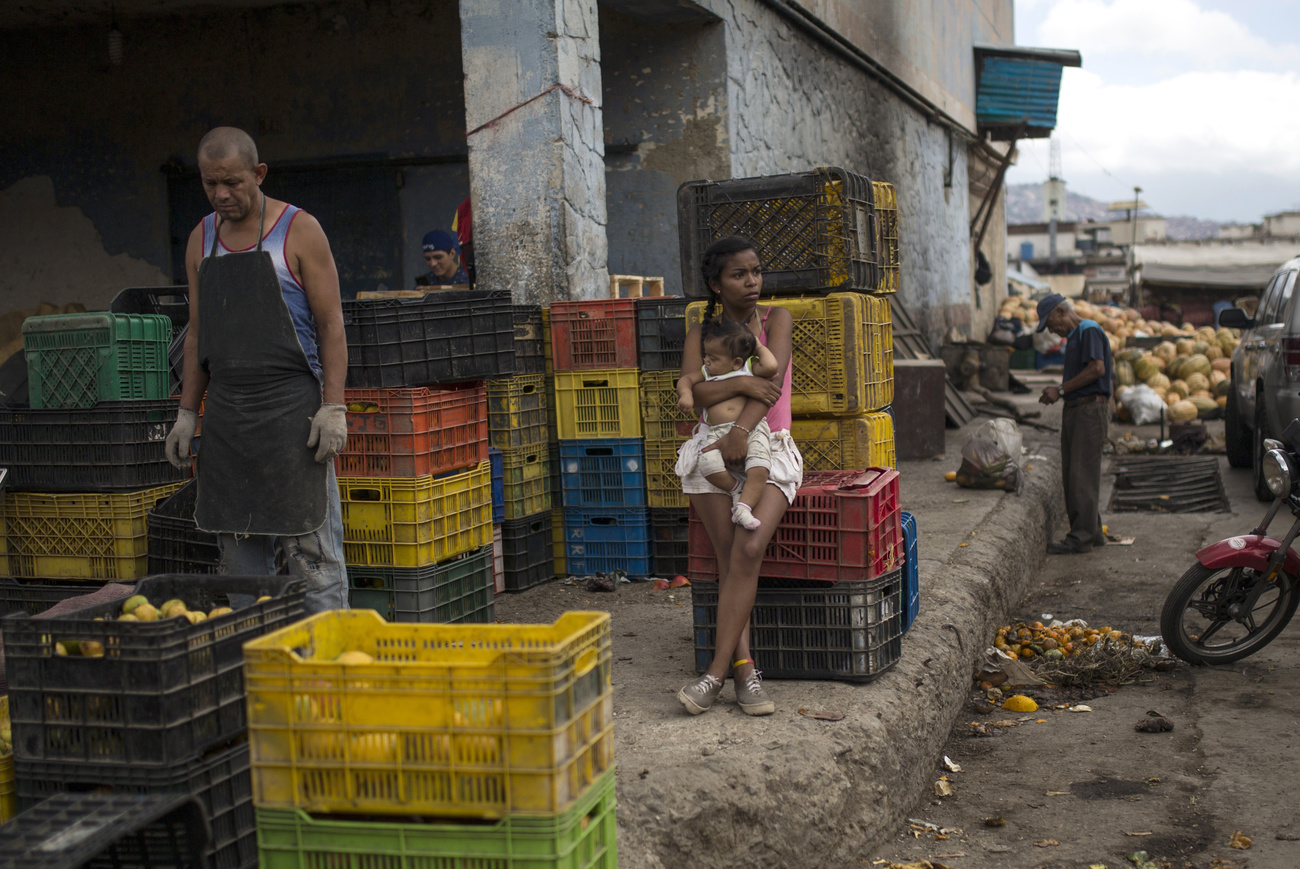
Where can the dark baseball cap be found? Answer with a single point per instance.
(1046, 305)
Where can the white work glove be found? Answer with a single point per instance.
(329, 431)
(177, 446)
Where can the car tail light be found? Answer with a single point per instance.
(1291, 356)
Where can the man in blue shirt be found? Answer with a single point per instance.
(442, 254)
(1089, 375)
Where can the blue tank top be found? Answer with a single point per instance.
(295, 297)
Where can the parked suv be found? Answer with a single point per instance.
(1265, 391)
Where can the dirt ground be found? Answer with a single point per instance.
(1064, 789)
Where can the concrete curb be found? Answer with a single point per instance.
(789, 791)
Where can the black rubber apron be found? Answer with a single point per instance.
(256, 474)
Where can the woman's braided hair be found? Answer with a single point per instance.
(711, 266)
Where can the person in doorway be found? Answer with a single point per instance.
(730, 350)
(463, 225)
(266, 348)
(734, 277)
(442, 254)
(1088, 378)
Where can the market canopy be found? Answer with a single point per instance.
(1210, 277)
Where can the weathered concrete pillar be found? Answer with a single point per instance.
(536, 147)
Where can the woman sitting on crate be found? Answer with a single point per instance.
(734, 277)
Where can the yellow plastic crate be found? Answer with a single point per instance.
(8, 790)
(449, 720)
(526, 480)
(518, 410)
(602, 403)
(886, 202)
(78, 535)
(662, 485)
(866, 441)
(878, 338)
(837, 370)
(559, 551)
(660, 418)
(415, 521)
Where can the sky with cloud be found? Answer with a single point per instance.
(1195, 101)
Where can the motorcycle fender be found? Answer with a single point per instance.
(1247, 550)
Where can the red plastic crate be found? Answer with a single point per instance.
(415, 431)
(598, 334)
(843, 526)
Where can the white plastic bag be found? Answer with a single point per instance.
(990, 458)
(1143, 405)
(1006, 434)
(1047, 343)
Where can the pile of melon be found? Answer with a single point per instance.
(1189, 369)
(1190, 373)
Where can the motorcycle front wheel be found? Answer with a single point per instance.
(1205, 619)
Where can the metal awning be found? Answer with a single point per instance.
(1216, 277)
(1017, 89)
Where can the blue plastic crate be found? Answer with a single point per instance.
(498, 485)
(602, 541)
(911, 571)
(603, 472)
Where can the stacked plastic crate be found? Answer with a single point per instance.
(433, 745)
(601, 449)
(102, 705)
(661, 333)
(828, 242)
(415, 480)
(85, 461)
(518, 413)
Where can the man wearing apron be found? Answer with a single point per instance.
(266, 344)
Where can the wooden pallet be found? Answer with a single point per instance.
(909, 343)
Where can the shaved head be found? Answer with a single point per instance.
(224, 142)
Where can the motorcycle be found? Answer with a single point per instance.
(1242, 591)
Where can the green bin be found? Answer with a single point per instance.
(581, 838)
(79, 360)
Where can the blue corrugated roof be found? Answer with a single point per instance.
(1015, 91)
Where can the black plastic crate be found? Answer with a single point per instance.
(670, 539)
(34, 596)
(527, 551)
(457, 591)
(660, 332)
(530, 351)
(162, 691)
(815, 231)
(113, 446)
(176, 545)
(445, 337)
(107, 831)
(846, 631)
(219, 780)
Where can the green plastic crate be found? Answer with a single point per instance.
(79, 360)
(584, 837)
(459, 591)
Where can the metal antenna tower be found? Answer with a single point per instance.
(1054, 172)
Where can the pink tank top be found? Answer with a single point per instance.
(779, 417)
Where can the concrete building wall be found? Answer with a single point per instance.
(793, 105)
(537, 157)
(1287, 223)
(665, 117)
(369, 79)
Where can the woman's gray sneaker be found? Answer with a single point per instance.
(751, 697)
(699, 695)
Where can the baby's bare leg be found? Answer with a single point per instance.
(723, 480)
(755, 480)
